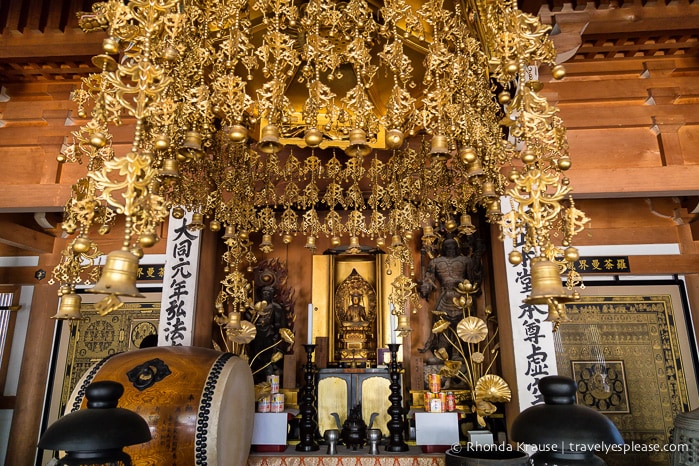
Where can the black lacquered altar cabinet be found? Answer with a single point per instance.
(339, 390)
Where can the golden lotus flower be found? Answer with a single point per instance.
(450, 368)
(483, 409)
(466, 287)
(442, 354)
(276, 356)
(221, 319)
(493, 388)
(440, 326)
(477, 357)
(246, 333)
(260, 305)
(287, 335)
(262, 389)
(472, 329)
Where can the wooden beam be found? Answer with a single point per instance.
(676, 180)
(34, 197)
(21, 237)
(22, 276)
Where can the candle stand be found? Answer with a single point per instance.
(396, 426)
(307, 405)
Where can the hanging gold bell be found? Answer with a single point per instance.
(475, 169)
(394, 138)
(313, 137)
(234, 321)
(237, 133)
(311, 243)
(69, 309)
(269, 142)
(403, 325)
(488, 191)
(439, 147)
(197, 222)
(191, 147)
(358, 146)
(170, 169)
(354, 247)
(546, 283)
(118, 275)
(465, 225)
(229, 233)
(266, 245)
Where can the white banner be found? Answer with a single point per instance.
(532, 336)
(179, 284)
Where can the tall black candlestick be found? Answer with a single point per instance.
(307, 406)
(396, 426)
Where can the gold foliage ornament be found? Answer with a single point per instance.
(470, 340)
(221, 90)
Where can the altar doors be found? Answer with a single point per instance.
(339, 390)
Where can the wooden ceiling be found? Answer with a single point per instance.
(41, 44)
(40, 39)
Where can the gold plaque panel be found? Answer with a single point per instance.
(95, 337)
(329, 273)
(375, 393)
(628, 349)
(332, 398)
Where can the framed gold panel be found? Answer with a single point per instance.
(94, 337)
(330, 272)
(629, 348)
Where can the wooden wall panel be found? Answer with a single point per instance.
(21, 165)
(608, 148)
(689, 141)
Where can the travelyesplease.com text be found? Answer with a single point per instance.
(572, 447)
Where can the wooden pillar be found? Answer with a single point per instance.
(207, 289)
(689, 246)
(33, 377)
(502, 307)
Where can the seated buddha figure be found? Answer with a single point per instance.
(355, 313)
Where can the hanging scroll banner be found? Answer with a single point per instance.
(179, 284)
(532, 335)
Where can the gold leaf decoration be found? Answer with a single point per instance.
(246, 334)
(287, 335)
(450, 369)
(493, 388)
(472, 329)
(440, 326)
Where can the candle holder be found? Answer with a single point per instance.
(396, 426)
(307, 406)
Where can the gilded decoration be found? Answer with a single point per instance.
(601, 385)
(629, 355)
(355, 313)
(94, 337)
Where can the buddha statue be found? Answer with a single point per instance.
(355, 314)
